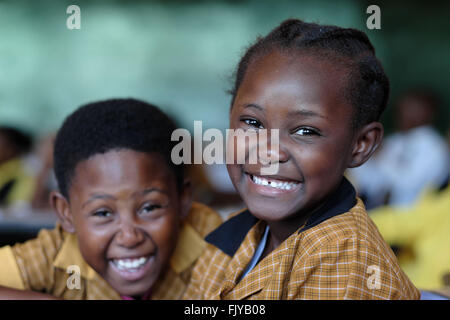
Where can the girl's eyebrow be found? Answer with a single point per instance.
(302, 112)
(305, 114)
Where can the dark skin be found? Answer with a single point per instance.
(124, 204)
(302, 97)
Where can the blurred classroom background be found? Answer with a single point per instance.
(180, 55)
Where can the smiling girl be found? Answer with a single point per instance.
(305, 234)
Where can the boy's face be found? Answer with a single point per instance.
(303, 98)
(126, 211)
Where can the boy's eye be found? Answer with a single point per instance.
(253, 123)
(102, 213)
(149, 208)
(306, 132)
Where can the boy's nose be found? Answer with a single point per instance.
(129, 236)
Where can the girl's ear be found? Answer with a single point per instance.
(186, 198)
(60, 204)
(368, 139)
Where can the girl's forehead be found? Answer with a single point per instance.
(305, 79)
(301, 68)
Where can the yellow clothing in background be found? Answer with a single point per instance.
(42, 264)
(23, 183)
(424, 230)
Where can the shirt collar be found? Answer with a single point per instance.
(229, 236)
(189, 247)
(70, 255)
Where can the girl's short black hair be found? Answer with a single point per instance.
(99, 127)
(368, 86)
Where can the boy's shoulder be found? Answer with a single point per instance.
(33, 259)
(49, 239)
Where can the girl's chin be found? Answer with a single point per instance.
(269, 212)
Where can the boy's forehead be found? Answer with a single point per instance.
(122, 167)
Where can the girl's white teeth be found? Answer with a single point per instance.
(273, 183)
(130, 264)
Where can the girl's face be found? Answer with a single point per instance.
(302, 97)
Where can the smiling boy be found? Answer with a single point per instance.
(126, 220)
(304, 234)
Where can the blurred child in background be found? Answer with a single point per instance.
(16, 182)
(410, 160)
(422, 235)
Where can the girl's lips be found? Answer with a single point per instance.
(271, 187)
(131, 274)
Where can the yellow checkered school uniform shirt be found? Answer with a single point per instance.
(41, 264)
(338, 254)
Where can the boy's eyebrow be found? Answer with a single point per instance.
(97, 196)
(146, 191)
(107, 196)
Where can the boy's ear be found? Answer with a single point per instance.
(186, 198)
(368, 139)
(61, 206)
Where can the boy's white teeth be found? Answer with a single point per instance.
(278, 184)
(130, 264)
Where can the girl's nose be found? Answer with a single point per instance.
(275, 151)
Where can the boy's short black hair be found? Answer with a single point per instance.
(367, 87)
(18, 139)
(102, 126)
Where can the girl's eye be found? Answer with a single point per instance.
(253, 123)
(102, 213)
(306, 132)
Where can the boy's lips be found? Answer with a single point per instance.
(272, 185)
(132, 269)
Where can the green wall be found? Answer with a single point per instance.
(180, 55)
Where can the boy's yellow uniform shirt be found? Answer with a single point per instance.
(41, 264)
(338, 254)
(424, 231)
